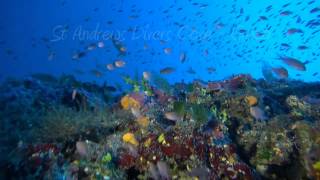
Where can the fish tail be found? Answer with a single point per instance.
(279, 57)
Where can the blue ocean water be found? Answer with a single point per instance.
(231, 37)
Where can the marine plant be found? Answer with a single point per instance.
(179, 107)
(199, 113)
(135, 85)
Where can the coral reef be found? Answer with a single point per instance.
(238, 128)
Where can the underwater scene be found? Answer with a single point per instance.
(160, 90)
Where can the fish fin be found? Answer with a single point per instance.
(279, 57)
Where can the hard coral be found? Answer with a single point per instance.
(129, 138)
(126, 161)
(128, 102)
(252, 100)
(143, 121)
(215, 86)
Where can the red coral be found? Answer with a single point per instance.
(152, 150)
(161, 96)
(126, 161)
(169, 150)
(215, 86)
(178, 151)
(232, 149)
(43, 148)
(244, 170)
(238, 81)
(216, 155)
(200, 145)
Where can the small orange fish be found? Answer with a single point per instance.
(211, 70)
(167, 51)
(281, 72)
(302, 47)
(74, 94)
(119, 63)
(183, 57)
(123, 49)
(110, 67)
(294, 31)
(119, 46)
(91, 47)
(78, 55)
(172, 116)
(263, 18)
(294, 63)
(167, 70)
(257, 113)
(219, 26)
(100, 44)
(285, 13)
(146, 75)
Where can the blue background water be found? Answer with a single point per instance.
(29, 32)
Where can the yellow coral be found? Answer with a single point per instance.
(129, 138)
(143, 121)
(148, 142)
(316, 166)
(162, 139)
(251, 100)
(128, 102)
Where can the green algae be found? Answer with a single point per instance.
(199, 113)
(179, 108)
